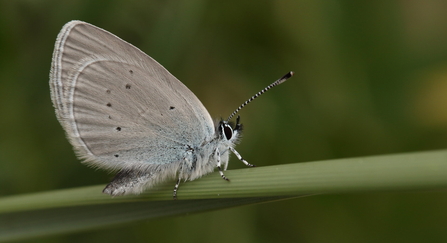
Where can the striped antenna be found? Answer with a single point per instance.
(277, 82)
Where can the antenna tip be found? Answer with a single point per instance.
(288, 75)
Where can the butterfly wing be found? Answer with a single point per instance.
(120, 108)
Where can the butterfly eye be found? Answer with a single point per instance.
(228, 131)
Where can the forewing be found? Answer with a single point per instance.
(120, 108)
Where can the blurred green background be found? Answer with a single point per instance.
(370, 78)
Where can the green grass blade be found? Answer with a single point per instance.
(68, 210)
(27, 224)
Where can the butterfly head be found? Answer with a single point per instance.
(230, 131)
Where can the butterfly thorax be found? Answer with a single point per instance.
(203, 159)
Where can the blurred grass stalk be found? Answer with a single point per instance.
(62, 211)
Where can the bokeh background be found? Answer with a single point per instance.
(370, 78)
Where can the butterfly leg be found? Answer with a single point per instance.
(240, 157)
(217, 154)
(176, 188)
